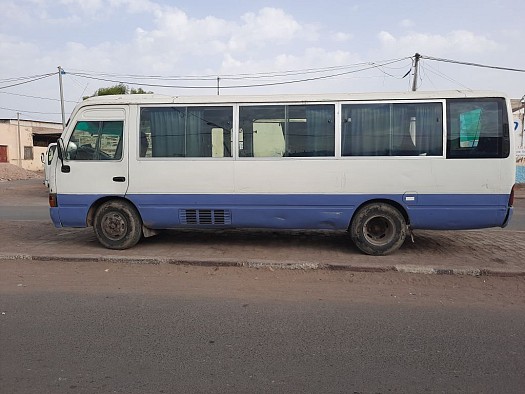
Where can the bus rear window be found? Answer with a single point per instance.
(477, 128)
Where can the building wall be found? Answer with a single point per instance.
(15, 150)
(520, 145)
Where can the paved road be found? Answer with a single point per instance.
(99, 327)
(27, 212)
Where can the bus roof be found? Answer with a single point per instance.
(282, 98)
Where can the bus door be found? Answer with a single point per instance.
(95, 162)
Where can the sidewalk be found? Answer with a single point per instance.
(487, 252)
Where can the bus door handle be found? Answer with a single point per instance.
(119, 179)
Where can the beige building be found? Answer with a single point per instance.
(22, 142)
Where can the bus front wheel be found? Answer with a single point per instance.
(117, 225)
(378, 229)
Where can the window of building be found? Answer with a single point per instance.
(28, 153)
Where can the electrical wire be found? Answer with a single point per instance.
(368, 66)
(431, 69)
(214, 77)
(37, 97)
(12, 79)
(28, 81)
(471, 64)
(30, 112)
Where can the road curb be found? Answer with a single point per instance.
(273, 265)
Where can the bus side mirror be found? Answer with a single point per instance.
(60, 149)
(60, 152)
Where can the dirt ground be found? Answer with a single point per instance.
(10, 172)
(261, 283)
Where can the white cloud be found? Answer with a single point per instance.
(148, 37)
(459, 41)
(15, 54)
(90, 6)
(257, 35)
(342, 37)
(270, 24)
(407, 23)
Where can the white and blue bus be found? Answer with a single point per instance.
(375, 165)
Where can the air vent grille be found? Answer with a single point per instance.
(205, 217)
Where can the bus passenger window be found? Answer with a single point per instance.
(144, 144)
(476, 128)
(392, 129)
(186, 132)
(287, 130)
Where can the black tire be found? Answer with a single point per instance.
(117, 225)
(378, 229)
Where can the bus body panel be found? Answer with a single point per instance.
(286, 192)
(299, 211)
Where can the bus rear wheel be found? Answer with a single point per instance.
(378, 229)
(117, 225)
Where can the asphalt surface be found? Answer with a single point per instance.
(99, 327)
(484, 252)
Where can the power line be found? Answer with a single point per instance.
(472, 64)
(368, 66)
(28, 81)
(30, 112)
(36, 97)
(429, 68)
(213, 77)
(12, 79)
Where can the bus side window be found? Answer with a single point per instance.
(392, 129)
(96, 140)
(144, 144)
(287, 130)
(199, 131)
(476, 129)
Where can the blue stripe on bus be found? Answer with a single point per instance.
(298, 211)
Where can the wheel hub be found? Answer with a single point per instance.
(114, 226)
(378, 230)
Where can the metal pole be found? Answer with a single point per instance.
(218, 85)
(522, 126)
(60, 72)
(522, 101)
(19, 141)
(416, 66)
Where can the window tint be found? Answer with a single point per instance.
(414, 129)
(96, 140)
(287, 130)
(186, 132)
(477, 128)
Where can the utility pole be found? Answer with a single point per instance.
(19, 140)
(522, 101)
(60, 72)
(417, 56)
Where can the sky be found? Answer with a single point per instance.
(253, 46)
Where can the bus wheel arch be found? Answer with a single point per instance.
(116, 222)
(379, 227)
